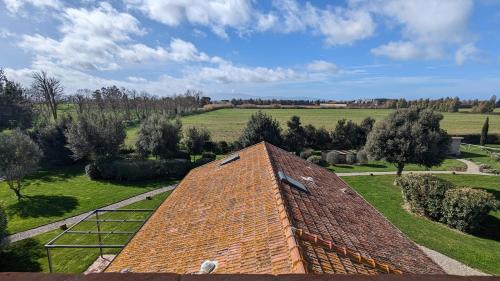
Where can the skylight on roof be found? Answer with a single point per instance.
(291, 181)
(229, 159)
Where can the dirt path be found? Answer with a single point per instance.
(72, 220)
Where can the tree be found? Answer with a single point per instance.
(197, 140)
(295, 136)
(48, 89)
(347, 135)
(366, 127)
(317, 138)
(53, 142)
(410, 135)
(159, 136)
(261, 127)
(95, 136)
(15, 108)
(20, 157)
(484, 131)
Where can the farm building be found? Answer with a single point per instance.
(264, 210)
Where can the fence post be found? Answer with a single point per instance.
(49, 259)
(99, 232)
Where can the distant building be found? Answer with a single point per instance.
(264, 210)
(454, 148)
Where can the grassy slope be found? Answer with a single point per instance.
(57, 194)
(480, 251)
(30, 254)
(382, 166)
(479, 156)
(227, 124)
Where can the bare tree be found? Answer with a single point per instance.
(49, 89)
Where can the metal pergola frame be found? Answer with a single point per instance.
(50, 245)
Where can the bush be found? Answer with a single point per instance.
(3, 223)
(306, 153)
(495, 156)
(333, 157)
(53, 143)
(92, 172)
(317, 160)
(424, 193)
(350, 158)
(222, 147)
(174, 168)
(465, 208)
(209, 155)
(362, 157)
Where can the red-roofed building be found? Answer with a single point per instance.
(270, 212)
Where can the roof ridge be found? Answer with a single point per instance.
(348, 252)
(298, 262)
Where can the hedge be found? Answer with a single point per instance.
(424, 193)
(466, 208)
(137, 170)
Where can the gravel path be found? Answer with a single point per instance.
(72, 220)
(449, 265)
(472, 169)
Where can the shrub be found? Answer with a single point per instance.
(174, 168)
(495, 156)
(333, 157)
(465, 208)
(221, 147)
(133, 170)
(92, 172)
(305, 154)
(350, 158)
(424, 193)
(317, 160)
(202, 161)
(53, 143)
(362, 157)
(209, 155)
(3, 223)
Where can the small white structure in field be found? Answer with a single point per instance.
(454, 148)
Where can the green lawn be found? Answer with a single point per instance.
(481, 251)
(64, 192)
(479, 156)
(382, 166)
(227, 124)
(30, 255)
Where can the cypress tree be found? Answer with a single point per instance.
(484, 131)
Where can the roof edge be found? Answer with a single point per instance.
(298, 262)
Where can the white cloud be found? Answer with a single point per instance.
(339, 26)
(14, 6)
(227, 73)
(427, 27)
(406, 50)
(101, 39)
(214, 14)
(466, 52)
(322, 66)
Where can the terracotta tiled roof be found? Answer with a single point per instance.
(241, 215)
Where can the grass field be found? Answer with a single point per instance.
(480, 251)
(227, 124)
(479, 156)
(64, 192)
(382, 166)
(30, 255)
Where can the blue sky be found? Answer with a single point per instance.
(282, 48)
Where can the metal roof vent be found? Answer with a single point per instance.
(291, 181)
(229, 159)
(208, 267)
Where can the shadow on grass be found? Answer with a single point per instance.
(22, 256)
(490, 229)
(467, 154)
(43, 206)
(377, 166)
(57, 174)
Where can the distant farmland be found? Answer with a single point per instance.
(227, 124)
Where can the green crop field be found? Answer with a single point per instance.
(227, 124)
